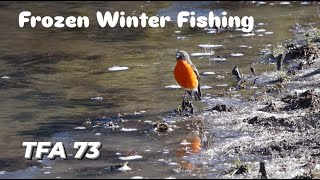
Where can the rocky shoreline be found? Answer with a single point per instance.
(278, 128)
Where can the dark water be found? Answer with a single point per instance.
(54, 73)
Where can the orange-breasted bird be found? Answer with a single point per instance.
(187, 76)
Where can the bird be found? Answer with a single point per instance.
(188, 77)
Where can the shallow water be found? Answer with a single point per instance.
(55, 73)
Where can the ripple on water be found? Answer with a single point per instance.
(248, 34)
(269, 32)
(210, 72)
(284, 3)
(260, 30)
(117, 68)
(137, 177)
(202, 54)
(128, 129)
(236, 54)
(97, 98)
(209, 45)
(206, 87)
(128, 158)
(173, 86)
(217, 59)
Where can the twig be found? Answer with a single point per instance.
(263, 171)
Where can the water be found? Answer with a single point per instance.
(55, 73)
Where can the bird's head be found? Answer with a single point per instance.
(182, 55)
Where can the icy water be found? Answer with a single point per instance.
(52, 80)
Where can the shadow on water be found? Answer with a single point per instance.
(45, 130)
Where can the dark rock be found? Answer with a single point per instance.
(221, 107)
(270, 122)
(161, 127)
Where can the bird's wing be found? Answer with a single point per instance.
(187, 57)
(198, 93)
(194, 68)
(196, 71)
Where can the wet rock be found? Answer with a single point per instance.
(308, 99)
(130, 153)
(162, 127)
(222, 107)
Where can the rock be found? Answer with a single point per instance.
(162, 127)
(221, 108)
(271, 107)
(270, 121)
(307, 99)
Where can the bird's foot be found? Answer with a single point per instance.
(189, 106)
(186, 109)
(183, 105)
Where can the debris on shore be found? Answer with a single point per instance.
(221, 107)
(308, 99)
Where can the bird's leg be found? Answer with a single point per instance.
(191, 108)
(190, 104)
(183, 101)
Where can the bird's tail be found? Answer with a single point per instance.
(198, 93)
(197, 96)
